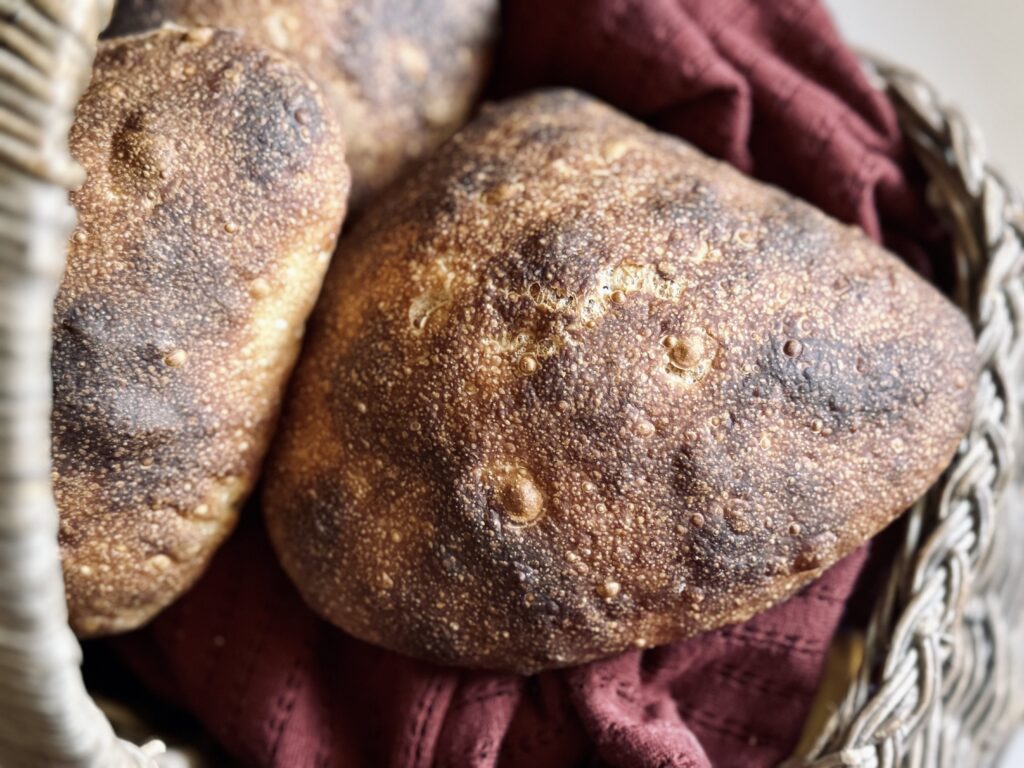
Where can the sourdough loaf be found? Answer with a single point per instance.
(576, 387)
(216, 186)
(402, 75)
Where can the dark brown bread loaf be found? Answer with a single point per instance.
(216, 188)
(576, 387)
(402, 74)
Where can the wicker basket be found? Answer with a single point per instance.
(935, 686)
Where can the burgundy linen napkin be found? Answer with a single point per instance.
(277, 686)
(769, 87)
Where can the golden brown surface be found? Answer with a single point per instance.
(402, 74)
(216, 188)
(577, 387)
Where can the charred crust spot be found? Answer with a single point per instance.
(272, 142)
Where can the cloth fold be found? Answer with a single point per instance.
(278, 687)
(769, 87)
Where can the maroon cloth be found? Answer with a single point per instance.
(278, 687)
(767, 86)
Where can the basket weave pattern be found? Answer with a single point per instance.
(46, 715)
(946, 641)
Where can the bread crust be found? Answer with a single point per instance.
(402, 76)
(576, 387)
(216, 186)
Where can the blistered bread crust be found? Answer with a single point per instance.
(402, 76)
(576, 387)
(216, 186)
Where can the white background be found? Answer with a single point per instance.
(971, 50)
(973, 53)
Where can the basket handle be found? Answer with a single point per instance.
(46, 715)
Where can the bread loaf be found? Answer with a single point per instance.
(576, 387)
(402, 75)
(216, 186)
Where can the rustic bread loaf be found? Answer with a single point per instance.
(402, 75)
(576, 387)
(216, 188)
